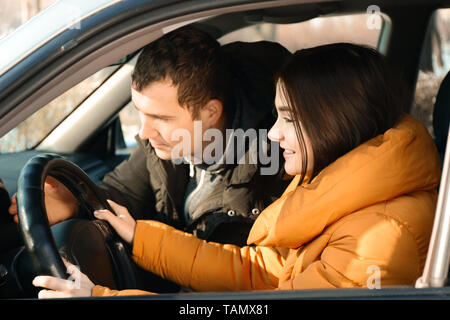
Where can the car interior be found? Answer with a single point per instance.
(96, 133)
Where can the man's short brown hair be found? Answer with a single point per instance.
(192, 59)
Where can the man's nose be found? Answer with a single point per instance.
(148, 130)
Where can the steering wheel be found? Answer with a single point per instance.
(37, 235)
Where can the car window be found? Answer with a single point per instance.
(434, 66)
(129, 121)
(355, 28)
(35, 128)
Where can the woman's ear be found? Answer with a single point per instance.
(211, 113)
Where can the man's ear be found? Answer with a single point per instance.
(212, 113)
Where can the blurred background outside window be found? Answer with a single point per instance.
(14, 13)
(434, 66)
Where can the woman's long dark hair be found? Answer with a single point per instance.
(344, 95)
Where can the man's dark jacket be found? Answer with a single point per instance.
(152, 188)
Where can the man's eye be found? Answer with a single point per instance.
(161, 119)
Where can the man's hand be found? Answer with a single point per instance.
(122, 221)
(59, 202)
(78, 285)
(4, 198)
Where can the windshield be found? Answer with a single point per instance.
(62, 15)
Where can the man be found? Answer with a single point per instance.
(185, 81)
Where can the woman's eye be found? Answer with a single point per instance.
(288, 120)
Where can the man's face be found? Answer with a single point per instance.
(161, 115)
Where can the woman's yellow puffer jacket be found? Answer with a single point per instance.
(369, 213)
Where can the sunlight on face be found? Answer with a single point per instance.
(160, 115)
(283, 131)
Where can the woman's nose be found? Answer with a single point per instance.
(275, 134)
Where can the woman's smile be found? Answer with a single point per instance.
(288, 153)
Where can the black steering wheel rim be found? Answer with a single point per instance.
(33, 222)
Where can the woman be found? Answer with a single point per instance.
(358, 213)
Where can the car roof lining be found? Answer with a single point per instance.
(278, 15)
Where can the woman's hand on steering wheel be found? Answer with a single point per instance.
(122, 221)
(78, 284)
